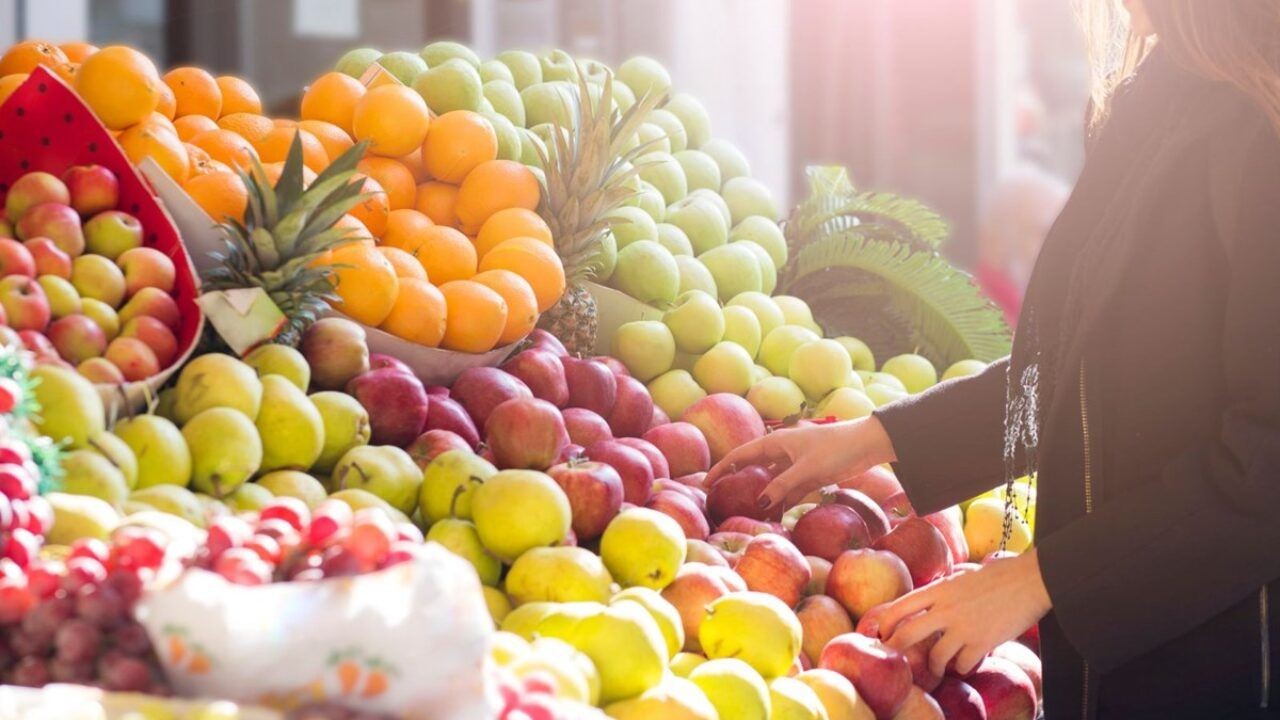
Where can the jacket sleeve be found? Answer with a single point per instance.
(950, 439)
(1155, 563)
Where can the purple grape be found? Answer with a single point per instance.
(78, 641)
(64, 671)
(122, 673)
(340, 562)
(132, 638)
(45, 618)
(30, 672)
(126, 583)
(26, 645)
(102, 606)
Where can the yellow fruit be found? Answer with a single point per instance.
(754, 627)
(643, 547)
(120, 85)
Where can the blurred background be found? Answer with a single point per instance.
(974, 106)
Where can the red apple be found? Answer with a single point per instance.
(100, 371)
(738, 493)
(155, 334)
(591, 385)
(879, 673)
(35, 342)
(918, 658)
(437, 391)
(819, 571)
(397, 405)
(572, 451)
(684, 447)
(25, 305)
(696, 480)
(727, 421)
(77, 338)
(959, 701)
(542, 372)
(481, 389)
(657, 461)
(697, 497)
(694, 588)
(632, 466)
(336, 351)
(156, 303)
(57, 222)
(863, 579)
(877, 482)
(751, 526)
(49, 258)
(135, 360)
(585, 427)
(1007, 692)
(146, 267)
(821, 619)
(771, 564)
(871, 512)
(701, 551)
(16, 259)
(952, 533)
(658, 417)
(632, 410)
(594, 490)
(828, 530)
(540, 339)
(32, 189)
(730, 544)
(92, 188)
(378, 361)
(919, 705)
(614, 364)
(525, 434)
(1031, 638)
(683, 510)
(898, 508)
(1026, 659)
(445, 413)
(921, 547)
(431, 443)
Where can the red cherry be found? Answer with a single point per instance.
(42, 579)
(90, 548)
(15, 600)
(290, 509)
(137, 547)
(266, 547)
(16, 482)
(401, 551)
(371, 536)
(226, 532)
(330, 518)
(409, 531)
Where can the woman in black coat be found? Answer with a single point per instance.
(1144, 391)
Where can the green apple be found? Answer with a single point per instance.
(647, 272)
(765, 233)
(644, 76)
(768, 273)
(695, 276)
(674, 391)
(725, 368)
(754, 627)
(525, 68)
(664, 172)
(776, 398)
(217, 380)
(85, 472)
(671, 127)
(71, 409)
(449, 484)
(283, 360)
(675, 698)
(652, 138)
(356, 62)
(693, 116)
(491, 70)
(160, 449)
(623, 98)
(548, 103)
(714, 198)
(294, 484)
(964, 368)
(346, 425)
(443, 50)
(461, 538)
(735, 268)
(884, 394)
(173, 500)
(290, 426)
(249, 497)
(700, 221)
(696, 322)
(742, 327)
(819, 367)
(62, 295)
(558, 574)
(518, 510)
(734, 688)
(530, 144)
(452, 85)
(700, 170)
(225, 450)
(404, 65)
(746, 197)
(764, 308)
(630, 224)
(674, 239)
(662, 612)
(845, 403)
(879, 378)
(759, 374)
(794, 310)
(384, 470)
(733, 164)
(626, 646)
(646, 347)
(650, 200)
(780, 343)
(642, 547)
(791, 699)
(505, 99)
(559, 65)
(916, 373)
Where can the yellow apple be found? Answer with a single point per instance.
(626, 646)
(837, 695)
(794, 700)
(673, 699)
(984, 526)
(663, 613)
(518, 510)
(684, 663)
(558, 574)
(755, 627)
(734, 687)
(641, 547)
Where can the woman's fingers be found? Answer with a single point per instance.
(756, 452)
(968, 659)
(912, 630)
(948, 646)
(902, 609)
(795, 480)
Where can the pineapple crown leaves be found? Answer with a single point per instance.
(835, 205)
(589, 168)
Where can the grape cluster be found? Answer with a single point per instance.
(72, 621)
(332, 711)
(287, 542)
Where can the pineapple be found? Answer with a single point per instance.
(286, 228)
(588, 172)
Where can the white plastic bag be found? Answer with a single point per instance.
(409, 640)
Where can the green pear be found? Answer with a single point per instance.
(112, 447)
(70, 408)
(183, 537)
(626, 646)
(358, 499)
(160, 449)
(491, 70)
(558, 574)
(174, 500)
(217, 381)
(460, 538)
(249, 497)
(355, 62)
(225, 450)
(733, 164)
(294, 484)
(506, 100)
(444, 50)
(85, 472)
(384, 470)
(675, 698)
(346, 425)
(276, 359)
(452, 85)
(662, 612)
(80, 516)
(448, 483)
(165, 402)
(525, 67)
(290, 426)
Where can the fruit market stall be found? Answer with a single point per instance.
(476, 332)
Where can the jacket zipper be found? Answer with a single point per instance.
(1088, 507)
(1264, 617)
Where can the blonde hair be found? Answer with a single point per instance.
(1237, 42)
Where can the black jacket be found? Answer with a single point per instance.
(1159, 458)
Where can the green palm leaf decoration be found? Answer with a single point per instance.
(868, 265)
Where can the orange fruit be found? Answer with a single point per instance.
(221, 194)
(120, 85)
(226, 147)
(446, 254)
(394, 177)
(522, 304)
(77, 52)
(366, 283)
(196, 91)
(393, 118)
(9, 83)
(373, 210)
(413, 161)
(156, 118)
(406, 265)
(199, 162)
(532, 260)
(238, 96)
(168, 104)
(332, 97)
(284, 122)
(153, 140)
(457, 142)
(406, 230)
(436, 200)
(475, 317)
(493, 186)
(356, 231)
(419, 314)
(274, 147)
(334, 139)
(273, 170)
(510, 223)
(67, 71)
(249, 126)
(190, 126)
(27, 55)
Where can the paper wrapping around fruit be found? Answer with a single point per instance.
(410, 639)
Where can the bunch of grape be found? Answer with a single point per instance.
(332, 711)
(73, 621)
(288, 542)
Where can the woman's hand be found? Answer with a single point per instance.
(817, 455)
(972, 611)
